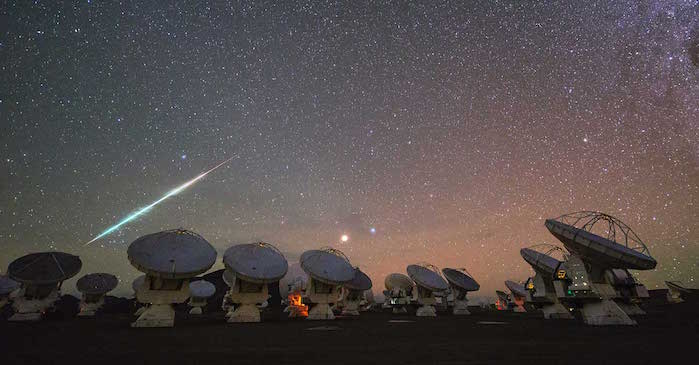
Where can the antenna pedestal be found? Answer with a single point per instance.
(88, 307)
(322, 295)
(461, 307)
(556, 311)
(400, 310)
(631, 309)
(157, 315)
(197, 305)
(628, 292)
(161, 294)
(398, 301)
(32, 309)
(351, 301)
(351, 308)
(605, 313)
(427, 300)
(542, 295)
(674, 295)
(140, 311)
(426, 311)
(245, 313)
(246, 296)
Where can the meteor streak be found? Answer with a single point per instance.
(147, 208)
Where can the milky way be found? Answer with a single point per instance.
(439, 131)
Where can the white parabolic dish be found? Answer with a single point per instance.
(44, 268)
(328, 266)
(540, 261)
(620, 249)
(256, 262)
(97, 283)
(427, 276)
(460, 279)
(398, 281)
(174, 254)
(201, 289)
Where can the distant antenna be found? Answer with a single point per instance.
(398, 293)
(680, 292)
(200, 291)
(170, 259)
(461, 283)
(93, 288)
(519, 295)
(255, 266)
(41, 275)
(600, 243)
(353, 293)
(504, 301)
(328, 269)
(540, 289)
(428, 280)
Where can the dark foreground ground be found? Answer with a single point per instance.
(669, 334)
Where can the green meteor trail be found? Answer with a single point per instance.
(147, 208)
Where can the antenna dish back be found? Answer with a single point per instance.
(427, 276)
(516, 288)
(460, 278)
(44, 268)
(260, 262)
(97, 283)
(602, 239)
(173, 254)
(327, 265)
(360, 282)
(539, 257)
(398, 281)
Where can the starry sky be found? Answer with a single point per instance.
(434, 131)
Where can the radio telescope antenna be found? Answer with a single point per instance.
(40, 276)
(603, 249)
(541, 289)
(170, 259)
(327, 269)
(93, 288)
(428, 280)
(461, 282)
(255, 266)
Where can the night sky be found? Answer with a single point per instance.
(444, 132)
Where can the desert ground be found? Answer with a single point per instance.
(667, 334)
